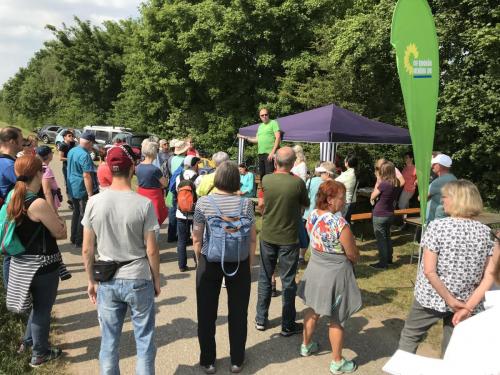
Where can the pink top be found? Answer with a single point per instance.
(104, 175)
(410, 175)
(49, 175)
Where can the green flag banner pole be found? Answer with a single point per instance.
(413, 35)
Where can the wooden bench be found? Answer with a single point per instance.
(368, 215)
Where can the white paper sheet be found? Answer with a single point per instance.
(404, 363)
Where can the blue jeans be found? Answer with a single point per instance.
(183, 231)
(43, 291)
(172, 222)
(114, 297)
(288, 256)
(382, 230)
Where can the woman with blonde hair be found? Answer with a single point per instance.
(299, 168)
(385, 193)
(457, 269)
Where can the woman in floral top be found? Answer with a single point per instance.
(450, 283)
(328, 286)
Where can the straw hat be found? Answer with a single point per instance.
(180, 147)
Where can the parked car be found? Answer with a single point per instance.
(134, 140)
(59, 138)
(48, 133)
(104, 134)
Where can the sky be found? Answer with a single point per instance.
(22, 25)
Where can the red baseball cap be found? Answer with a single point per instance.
(120, 158)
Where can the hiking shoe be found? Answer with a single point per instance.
(260, 326)
(343, 367)
(292, 330)
(183, 269)
(307, 350)
(38, 361)
(210, 369)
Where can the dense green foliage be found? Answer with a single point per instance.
(204, 67)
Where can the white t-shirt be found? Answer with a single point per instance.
(348, 178)
(120, 220)
(300, 170)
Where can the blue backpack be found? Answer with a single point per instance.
(228, 237)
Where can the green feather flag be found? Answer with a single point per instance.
(413, 35)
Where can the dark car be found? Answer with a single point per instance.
(48, 133)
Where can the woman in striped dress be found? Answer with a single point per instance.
(35, 272)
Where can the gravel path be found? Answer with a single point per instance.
(371, 342)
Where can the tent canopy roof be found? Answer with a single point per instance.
(333, 124)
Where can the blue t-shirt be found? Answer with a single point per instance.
(7, 176)
(312, 186)
(79, 161)
(148, 176)
(247, 185)
(434, 206)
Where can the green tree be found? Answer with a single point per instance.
(91, 58)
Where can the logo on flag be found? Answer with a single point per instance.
(414, 67)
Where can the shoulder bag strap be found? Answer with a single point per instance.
(212, 200)
(240, 207)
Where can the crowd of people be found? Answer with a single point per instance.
(117, 224)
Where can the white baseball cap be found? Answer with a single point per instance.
(442, 159)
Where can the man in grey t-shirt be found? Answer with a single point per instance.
(440, 165)
(124, 224)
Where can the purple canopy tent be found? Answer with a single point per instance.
(330, 125)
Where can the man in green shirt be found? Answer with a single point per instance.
(268, 141)
(284, 197)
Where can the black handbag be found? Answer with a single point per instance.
(104, 270)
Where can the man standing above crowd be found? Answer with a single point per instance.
(268, 141)
(441, 165)
(67, 144)
(284, 197)
(11, 142)
(82, 182)
(125, 233)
